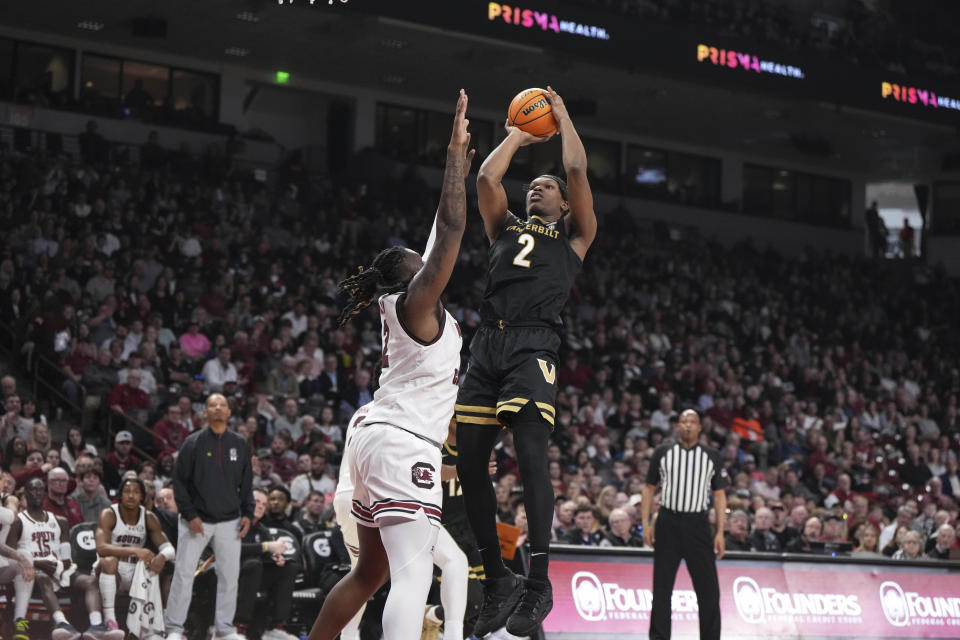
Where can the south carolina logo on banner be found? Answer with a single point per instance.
(588, 595)
(894, 604)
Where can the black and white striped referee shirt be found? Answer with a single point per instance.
(688, 476)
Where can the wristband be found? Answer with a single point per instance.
(167, 551)
(265, 546)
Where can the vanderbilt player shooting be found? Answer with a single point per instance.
(511, 378)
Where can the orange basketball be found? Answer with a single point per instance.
(531, 112)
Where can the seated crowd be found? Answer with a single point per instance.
(830, 389)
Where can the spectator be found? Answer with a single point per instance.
(563, 511)
(58, 501)
(283, 457)
(622, 532)
(905, 515)
(217, 371)
(265, 568)
(93, 146)
(278, 502)
(869, 539)
(317, 480)
(951, 478)
(290, 420)
(39, 437)
(313, 516)
(15, 454)
(73, 447)
(833, 528)
(263, 474)
(195, 345)
(664, 416)
(911, 547)
(763, 537)
(357, 392)
(13, 424)
(282, 381)
(582, 532)
(781, 527)
(128, 397)
(841, 493)
(738, 535)
(331, 380)
(330, 430)
(170, 431)
(915, 471)
(120, 460)
(946, 536)
(91, 496)
(812, 529)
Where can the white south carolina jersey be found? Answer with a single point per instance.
(419, 380)
(344, 481)
(129, 535)
(39, 539)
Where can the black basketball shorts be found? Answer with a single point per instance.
(509, 368)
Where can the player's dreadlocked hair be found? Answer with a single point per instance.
(383, 275)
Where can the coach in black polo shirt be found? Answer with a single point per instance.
(687, 472)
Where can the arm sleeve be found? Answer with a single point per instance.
(721, 479)
(182, 476)
(246, 485)
(653, 473)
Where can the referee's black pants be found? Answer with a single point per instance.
(684, 536)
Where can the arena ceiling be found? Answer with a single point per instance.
(402, 58)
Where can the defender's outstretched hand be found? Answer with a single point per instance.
(460, 139)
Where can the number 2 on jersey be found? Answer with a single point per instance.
(520, 259)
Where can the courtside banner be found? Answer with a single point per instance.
(611, 597)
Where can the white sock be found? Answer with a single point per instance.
(22, 589)
(95, 618)
(453, 585)
(108, 593)
(409, 546)
(58, 617)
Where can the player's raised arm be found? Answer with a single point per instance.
(423, 293)
(491, 196)
(579, 195)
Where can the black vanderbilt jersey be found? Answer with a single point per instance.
(532, 269)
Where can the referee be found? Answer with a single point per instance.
(687, 472)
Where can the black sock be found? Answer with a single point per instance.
(531, 436)
(474, 444)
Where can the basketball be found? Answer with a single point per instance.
(531, 111)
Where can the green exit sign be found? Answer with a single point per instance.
(283, 77)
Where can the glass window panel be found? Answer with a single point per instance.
(693, 179)
(100, 78)
(646, 172)
(194, 92)
(42, 74)
(603, 162)
(784, 194)
(145, 86)
(945, 210)
(6, 69)
(757, 191)
(396, 132)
